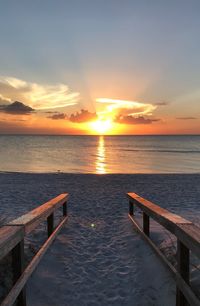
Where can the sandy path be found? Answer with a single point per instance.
(108, 264)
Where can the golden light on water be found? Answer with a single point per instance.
(100, 162)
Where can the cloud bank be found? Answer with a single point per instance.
(127, 112)
(79, 117)
(16, 108)
(37, 96)
(83, 116)
(116, 108)
(135, 120)
(4, 100)
(186, 118)
(58, 116)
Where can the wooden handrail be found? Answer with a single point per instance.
(188, 238)
(12, 239)
(10, 236)
(34, 217)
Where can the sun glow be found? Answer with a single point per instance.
(101, 126)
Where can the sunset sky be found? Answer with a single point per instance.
(100, 67)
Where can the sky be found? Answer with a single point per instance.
(100, 67)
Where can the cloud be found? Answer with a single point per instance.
(186, 118)
(82, 116)
(161, 103)
(115, 108)
(4, 100)
(16, 108)
(37, 96)
(58, 116)
(135, 120)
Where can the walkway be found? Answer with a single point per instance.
(98, 259)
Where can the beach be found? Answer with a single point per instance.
(99, 153)
(107, 262)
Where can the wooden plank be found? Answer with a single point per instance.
(14, 292)
(183, 267)
(9, 238)
(161, 215)
(65, 209)
(131, 208)
(183, 286)
(189, 234)
(18, 265)
(146, 224)
(50, 224)
(34, 217)
(186, 231)
(186, 289)
(154, 247)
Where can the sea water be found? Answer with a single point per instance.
(100, 154)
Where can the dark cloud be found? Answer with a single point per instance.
(135, 120)
(186, 118)
(58, 116)
(82, 116)
(16, 108)
(51, 112)
(161, 103)
(78, 117)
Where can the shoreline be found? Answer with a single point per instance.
(100, 174)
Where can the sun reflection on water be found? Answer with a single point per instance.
(100, 161)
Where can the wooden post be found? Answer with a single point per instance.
(183, 261)
(65, 209)
(145, 223)
(50, 224)
(18, 266)
(130, 208)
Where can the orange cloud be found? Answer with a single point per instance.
(114, 108)
(83, 116)
(58, 116)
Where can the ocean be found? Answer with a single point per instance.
(100, 154)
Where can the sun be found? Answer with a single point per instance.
(101, 126)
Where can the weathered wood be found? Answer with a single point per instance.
(154, 247)
(183, 267)
(183, 286)
(50, 224)
(65, 209)
(34, 217)
(186, 231)
(130, 208)
(189, 234)
(9, 238)
(186, 289)
(145, 223)
(18, 265)
(14, 292)
(161, 215)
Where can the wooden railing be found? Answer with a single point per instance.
(188, 239)
(12, 240)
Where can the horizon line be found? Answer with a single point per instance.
(94, 135)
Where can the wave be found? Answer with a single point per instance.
(164, 151)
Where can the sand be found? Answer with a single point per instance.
(107, 263)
